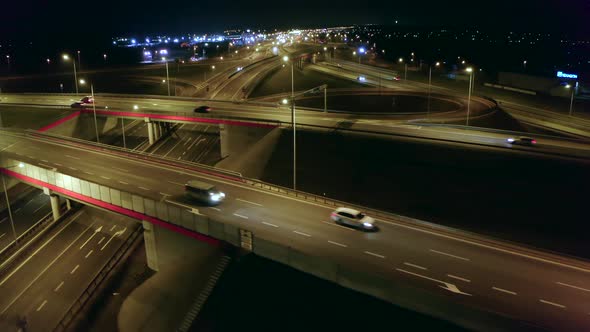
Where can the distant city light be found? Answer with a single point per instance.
(165, 52)
(133, 41)
(566, 75)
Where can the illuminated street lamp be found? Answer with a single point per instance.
(430, 86)
(401, 60)
(83, 82)
(104, 56)
(66, 58)
(573, 89)
(293, 124)
(361, 51)
(79, 63)
(20, 165)
(470, 71)
(167, 75)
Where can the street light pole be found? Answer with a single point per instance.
(9, 210)
(167, 76)
(293, 123)
(75, 76)
(430, 87)
(94, 111)
(470, 71)
(326, 99)
(572, 100)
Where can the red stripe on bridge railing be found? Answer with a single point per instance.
(181, 118)
(114, 208)
(60, 121)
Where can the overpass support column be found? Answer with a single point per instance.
(55, 206)
(157, 131)
(150, 131)
(149, 237)
(68, 204)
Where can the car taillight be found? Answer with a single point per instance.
(534, 142)
(333, 214)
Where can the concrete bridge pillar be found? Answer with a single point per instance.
(55, 206)
(150, 127)
(151, 251)
(157, 130)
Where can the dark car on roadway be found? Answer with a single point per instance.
(203, 109)
(522, 141)
(83, 102)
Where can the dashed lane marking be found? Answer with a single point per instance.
(449, 255)
(337, 244)
(301, 233)
(504, 290)
(374, 254)
(416, 266)
(552, 303)
(458, 278)
(245, 201)
(572, 286)
(241, 216)
(269, 224)
(41, 306)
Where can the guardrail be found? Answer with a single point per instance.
(91, 289)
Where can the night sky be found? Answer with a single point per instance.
(77, 19)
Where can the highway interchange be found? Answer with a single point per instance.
(540, 289)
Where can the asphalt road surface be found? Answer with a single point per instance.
(44, 286)
(26, 212)
(530, 286)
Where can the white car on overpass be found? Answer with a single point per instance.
(354, 218)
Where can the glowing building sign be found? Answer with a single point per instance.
(561, 74)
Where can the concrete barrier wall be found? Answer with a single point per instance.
(434, 304)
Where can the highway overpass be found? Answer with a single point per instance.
(473, 281)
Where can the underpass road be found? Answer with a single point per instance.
(540, 289)
(51, 279)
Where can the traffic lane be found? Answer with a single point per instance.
(194, 140)
(25, 215)
(25, 274)
(77, 274)
(351, 254)
(275, 217)
(48, 299)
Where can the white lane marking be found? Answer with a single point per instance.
(269, 224)
(504, 290)
(176, 183)
(301, 233)
(416, 266)
(45, 161)
(241, 216)
(120, 169)
(105, 177)
(214, 208)
(337, 244)
(334, 224)
(552, 303)
(2, 235)
(58, 286)
(374, 254)
(112, 228)
(450, 255)
(74, 270)
(458, 278)
(27, 203)
(89, 173)
(164, 194)
(144, 188)
(58, 164)
(99, 242)
(572, 286)
(16, 211)
(112, 237)
(448, 286)
(41, 306)
(481, 245)
(122, 182)
(3, 220)
(67, 155)
(73, 168)
(39, 208)
(96, 231)
(48, 166)
(89, 253)
(245, 201)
